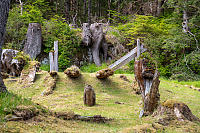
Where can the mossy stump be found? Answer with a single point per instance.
(89, 96)
(73, 72)
(104, 73)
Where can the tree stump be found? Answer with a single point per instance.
(33, 42)
(148, 81)
(104, 73)
(9, 63)
(94, 34)
(73, 72)
(89, 96)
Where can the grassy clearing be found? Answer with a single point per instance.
(68, 96)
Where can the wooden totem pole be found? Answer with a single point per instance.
(147, 77)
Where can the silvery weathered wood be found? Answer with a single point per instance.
(56, 56)
(126, 59)
(86, 35)
(148, 81)
(11, 65)
(138, 48)
(52, 68)
(33, 41)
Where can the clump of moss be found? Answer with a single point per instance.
(104, 73)
(21, 56)
(169, 103)
(73, 72)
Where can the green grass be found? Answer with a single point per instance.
(68, 96)
(92, 68)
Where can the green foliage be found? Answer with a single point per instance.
(68, 43)
(45, 67)
(92, 68)
(9, 101)
(22, 56)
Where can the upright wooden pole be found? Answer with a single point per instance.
(138, 48)
(51, 61)
(56, 56)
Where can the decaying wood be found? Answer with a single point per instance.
(73, 72)
(148, 81)
(33, 42)
(104, 73)
(94, 33)
(89, 96)
(73, 116)
(86, 35)
(172, 110)
(53, 58)
(50, 83)
(11, 65)
(28, 74)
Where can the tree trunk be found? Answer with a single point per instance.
(148, 81)
(89, 11)
(67, 11)
(4, 10)
(159, 8)
(99, 41)
(185, 22)
(33, 42)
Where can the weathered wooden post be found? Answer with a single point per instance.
(89, 96)
(53, 57)
(56, 55)
(138, 48)
(147, 77)
(33, 41)
(51, 61)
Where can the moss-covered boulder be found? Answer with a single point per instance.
(73, 72)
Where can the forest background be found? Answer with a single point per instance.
(158, 23)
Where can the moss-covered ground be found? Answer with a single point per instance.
(68, 96)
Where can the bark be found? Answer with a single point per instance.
(89, 11)
(86, 35)
(33, 42)
(67, 11)
(4, 10)
(10, 65)
(185, 22)
(148, 81)
(89, 96)
(99, 41)
(159, 8)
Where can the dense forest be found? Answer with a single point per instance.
(168, 28)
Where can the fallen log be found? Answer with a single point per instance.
(50, 83)
(72, 116)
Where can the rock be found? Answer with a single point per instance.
(104, 73)
(33, 41)
(53, 74)
(10, 64)
(73, 72)
(89, 96)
